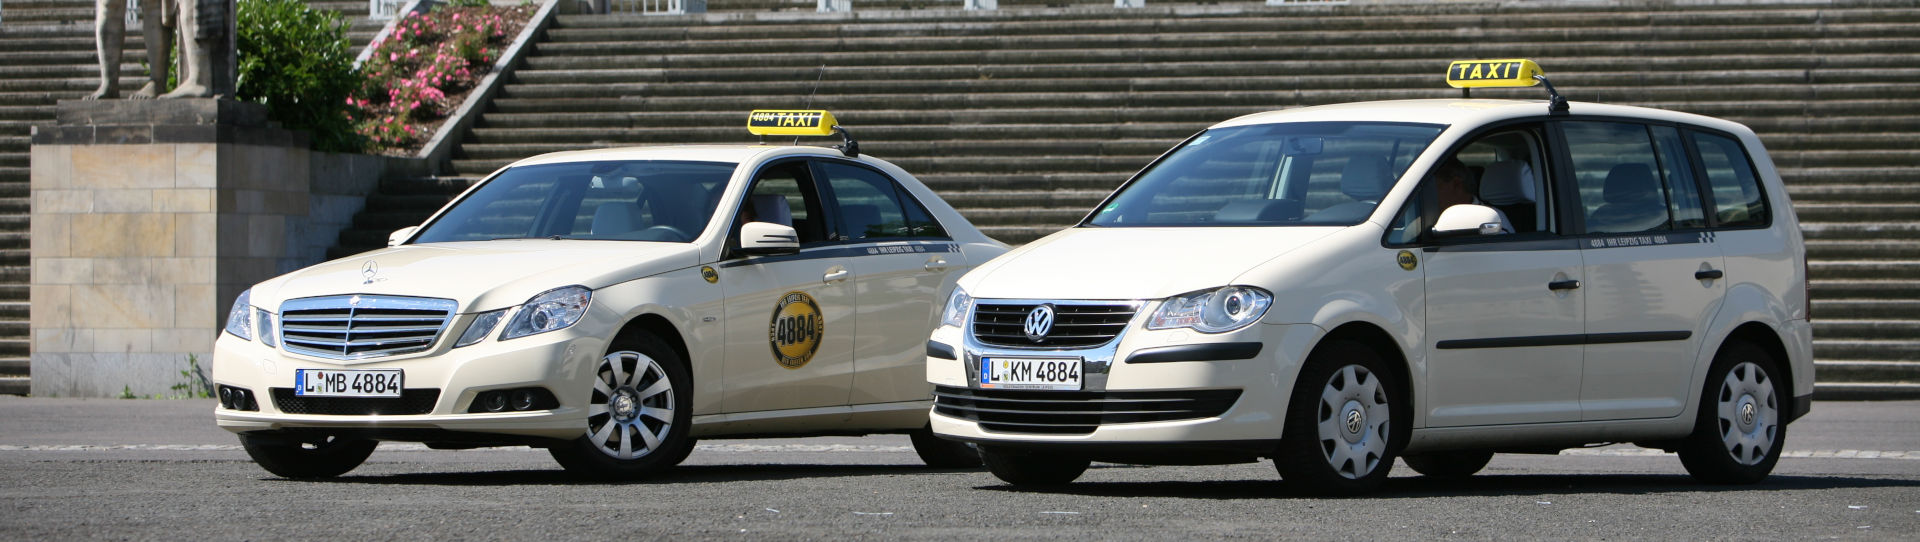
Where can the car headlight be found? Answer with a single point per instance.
(958, 306)
(240, 317)
(481, 326)
(554, 310)
(1212, 311)
(263, 324)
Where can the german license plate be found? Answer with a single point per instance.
(1030, 373)
(347, 382)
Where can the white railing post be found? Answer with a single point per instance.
(836, 6)
(1124, 4)
(383, 10)
(982, 5)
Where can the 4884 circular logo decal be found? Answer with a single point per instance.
(795, 331)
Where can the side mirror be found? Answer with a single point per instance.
(1462, 220)
(764, 238)
(400, 235)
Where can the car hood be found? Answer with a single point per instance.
(481, 275)
(1133, 263)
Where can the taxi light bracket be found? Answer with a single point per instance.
(847, 145)
(1556, 104)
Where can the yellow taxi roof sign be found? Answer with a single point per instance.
(790, 122)
(1516, 72)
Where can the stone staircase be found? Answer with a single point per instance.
(47, 54)
(1024, 118)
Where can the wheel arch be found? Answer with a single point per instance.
(1766, 339)
(660, 327)
(1383, 344)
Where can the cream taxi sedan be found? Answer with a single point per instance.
(1436, 280)
(613, 306)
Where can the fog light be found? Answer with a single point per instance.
(523, 399)
(493, 401)
(226, 397)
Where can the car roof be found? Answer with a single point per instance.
(698, 153)
(1465, 112)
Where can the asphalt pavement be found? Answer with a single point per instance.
(155, 469)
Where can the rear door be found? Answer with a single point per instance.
(902, 260)
(1653, 272)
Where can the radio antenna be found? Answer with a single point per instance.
(817, 76)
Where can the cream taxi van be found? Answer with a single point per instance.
(613, 306)
(1435, 280)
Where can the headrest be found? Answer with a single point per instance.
(771, 208)
(1258, 211)
(1629, 182)
(615, 218)
(1507, 182)
(1366, 178)
(858, 217)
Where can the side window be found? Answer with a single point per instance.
(785, 189)
(1505, 170)
(919, 220)
(867, 201)
(1737, 201)
(1683, 192)
(1618, 175)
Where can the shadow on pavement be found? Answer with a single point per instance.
(698, 474)
(1484, 485)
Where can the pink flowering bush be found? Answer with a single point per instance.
(423, 70)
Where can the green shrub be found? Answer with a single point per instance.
(298, 62)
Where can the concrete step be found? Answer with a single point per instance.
(1864, 269)
(1830, 328)
(1825, 306)
(1901, 288)
(1865, 391)
(1878, 249)
(15, 385)
(1857, 212)
(1878, 350)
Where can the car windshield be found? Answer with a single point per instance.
(645, 200)
(1287, 174)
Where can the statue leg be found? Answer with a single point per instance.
(195, 80)
(153, 28)
(109, 36)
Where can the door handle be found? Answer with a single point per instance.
(1708, 274)
(1563, 285)
(836, 275)
(936, 264)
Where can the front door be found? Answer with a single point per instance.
(790, 317)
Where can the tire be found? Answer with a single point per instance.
(639, 413)
(326, 458)
(1032, 469)
(942, 453)
(1346, 420)
(1448, 465)
(1737, 435)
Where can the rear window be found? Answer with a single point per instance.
(1737, 200)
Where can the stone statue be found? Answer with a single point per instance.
(204, 28)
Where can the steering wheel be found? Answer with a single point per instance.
(664, 232)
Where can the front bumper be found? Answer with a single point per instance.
(1137, 361)
(561, 362)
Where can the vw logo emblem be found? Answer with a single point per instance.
(1746, 414)
(1354, 421)
(1039, 323)
(368, 270)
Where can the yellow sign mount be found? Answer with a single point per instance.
(791, 122)
(1516, 72)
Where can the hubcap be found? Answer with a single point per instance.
(632, 408)
(1748, 414)
(1353, 421)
